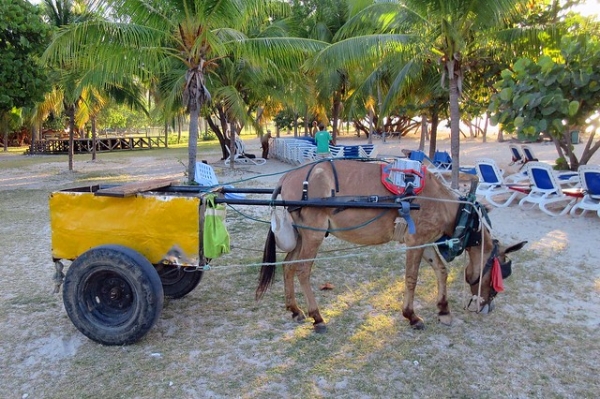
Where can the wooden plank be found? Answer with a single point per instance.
(129, 189)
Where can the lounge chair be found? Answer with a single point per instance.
(589, 178)
(492, 185)
(528, 154)
(440, 165)
(546, 190)
(205, 176)
(241, 157)
(566, 178)
(517, 155)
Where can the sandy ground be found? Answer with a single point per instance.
(563, 251)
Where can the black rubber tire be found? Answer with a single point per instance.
(113, 295)
(178, 282)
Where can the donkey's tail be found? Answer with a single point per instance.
(267, 270)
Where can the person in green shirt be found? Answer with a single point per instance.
(322, 138)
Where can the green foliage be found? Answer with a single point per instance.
(551, 95)
(208, 135)
(23, 36)
(285, 119)
(118, 116)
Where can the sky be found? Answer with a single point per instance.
(589, 8)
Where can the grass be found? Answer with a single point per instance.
(218, 342)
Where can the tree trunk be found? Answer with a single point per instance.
(179, 121)
(193, 143)
(93, 138)
(295, 125)
(435, 121)
(166, 134)
(454, 126)
(485, 128)
(589, 150)
(423, 132)
(337, 106)
(71, 114)
(307, 131)
(231, 145)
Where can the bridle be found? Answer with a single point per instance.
(505, 268)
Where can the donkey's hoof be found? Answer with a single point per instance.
(320, 328)
(298, 317)
(417, 324)
(445, 319)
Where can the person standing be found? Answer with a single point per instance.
(322, 139)
(264, 143)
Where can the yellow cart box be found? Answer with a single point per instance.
(157, 225)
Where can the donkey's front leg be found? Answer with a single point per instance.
(441, 272)
(413, 260)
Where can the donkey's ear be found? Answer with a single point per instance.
(514, 248)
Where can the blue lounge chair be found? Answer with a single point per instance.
(546, 190)
(589, 177)
(492, 185)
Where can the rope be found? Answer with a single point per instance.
(320, 251)
(353, 255)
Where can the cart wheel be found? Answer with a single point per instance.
(178, 282)
(113, 295)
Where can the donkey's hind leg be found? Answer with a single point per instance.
(441, 272)
(289, 270)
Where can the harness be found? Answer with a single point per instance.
(404, 206)
(467, 229)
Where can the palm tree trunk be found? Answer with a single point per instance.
(93, 138)
(435, 121)
(423, 132)
(337, 106)
(193, 143)
(71, 113)
(179, 129)
(167, 134)
(454, 129)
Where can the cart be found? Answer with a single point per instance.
(131, 245)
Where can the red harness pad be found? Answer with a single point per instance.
(389, 179)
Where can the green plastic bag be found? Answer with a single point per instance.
(215, 235)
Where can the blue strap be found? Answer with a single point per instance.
(404, 211)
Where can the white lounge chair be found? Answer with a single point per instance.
(240, 156)
(589, 178)
(546, 190)
(492, 185)
(205, 176)
(517, 156)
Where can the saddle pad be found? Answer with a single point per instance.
(397, 177)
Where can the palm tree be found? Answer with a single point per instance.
(417, 34)
(60, 14)
(183, 40)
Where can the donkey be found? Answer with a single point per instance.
(351, 180)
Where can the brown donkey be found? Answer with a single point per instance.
(348, 180)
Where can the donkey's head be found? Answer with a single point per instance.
(493, 260)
